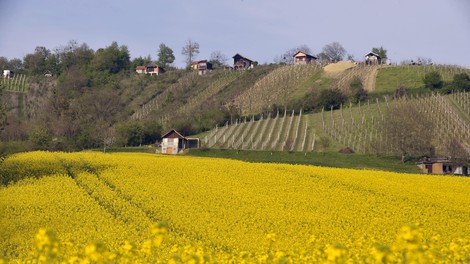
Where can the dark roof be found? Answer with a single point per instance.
(171, 131)
(432, 160)
(242, 57)
(372, 54)
(308, 55)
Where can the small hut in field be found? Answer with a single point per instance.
(173, 142)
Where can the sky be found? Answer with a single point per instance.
(257, 29)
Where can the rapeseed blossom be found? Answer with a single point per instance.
(151, 208)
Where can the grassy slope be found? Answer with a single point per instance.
(328, 159)
(411, 76)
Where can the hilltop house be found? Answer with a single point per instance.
(151, 69)
(202, 66)
(442, 166)
(303, 58)
(173, 142)
(242, 63)
(372, 58)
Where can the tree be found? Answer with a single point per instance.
(3, 110)
(461, 82)
(190, 50)
(333, 51)
(381, 52)
(35, 63)
(457, 152)
(433, 80)
(408, 131)
(218, 59)
(140, 61)
(165, 55)
(112, 59)
(40, 137)
(358, 93)
(331, 99)
(287, 57)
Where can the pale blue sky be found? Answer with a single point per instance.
(258, 29)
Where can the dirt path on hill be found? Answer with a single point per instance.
(370, 79)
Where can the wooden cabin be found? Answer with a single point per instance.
(173, 142)
(372, 59)
(303, 58)
(241, 63)
(442, 166)
(202, 66)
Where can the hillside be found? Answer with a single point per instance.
(270, 107)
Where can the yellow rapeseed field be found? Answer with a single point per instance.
(94, 207)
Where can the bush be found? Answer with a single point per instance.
(433, 80)
(331, 99)
(40, 137)
(358, 93)
(461, 82)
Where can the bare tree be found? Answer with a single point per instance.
(333, 51)
(218, 59)
(190, 50)
(407, 131)
(287, 57)
(456, 151)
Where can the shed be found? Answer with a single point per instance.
(241, 63)
(303, 58)
(372, 58)
(173, 142)
(442, 165)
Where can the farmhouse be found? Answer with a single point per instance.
(241, 63)
(303, 58)
(372, 58)
(442, 166)
(151, 69)
(202, 66)
(173, 142)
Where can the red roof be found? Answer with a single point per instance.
(140, 68)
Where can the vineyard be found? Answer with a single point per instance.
(144, 208)
(195, 89)
(277, 87)
(18, 83)
(359, 127)
(283, 132)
